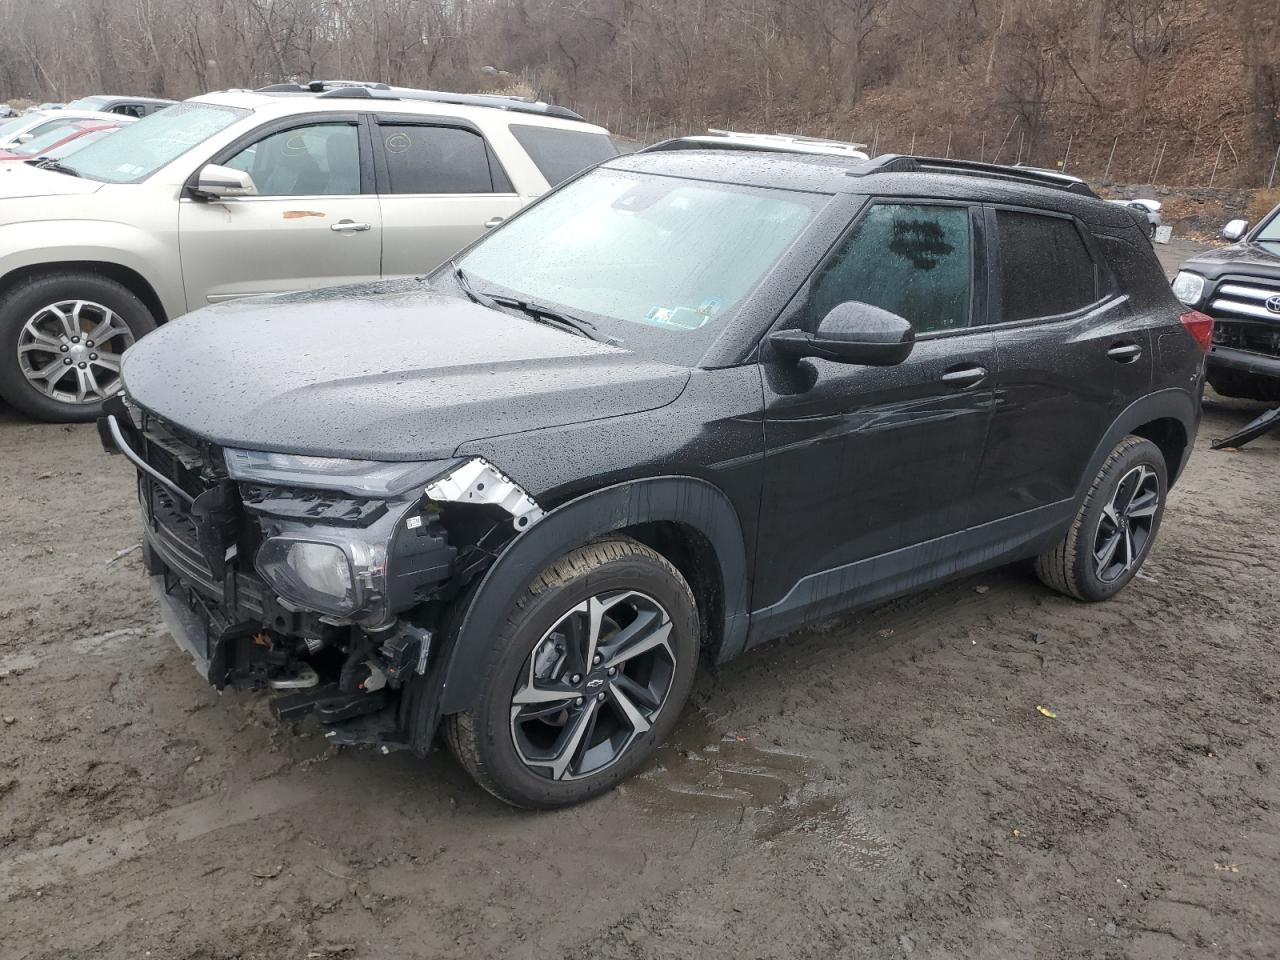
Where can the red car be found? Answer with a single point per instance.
(60, 139)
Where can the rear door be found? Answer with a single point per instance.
(440, 185)
(1071, 356)
(315, 221)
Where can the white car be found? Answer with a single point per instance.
(1148, 208)
(240, 193)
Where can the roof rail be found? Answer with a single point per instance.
(360, 89)
(901, 163)
(715, 139)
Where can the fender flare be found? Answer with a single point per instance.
(1170, 404)
(684, 500)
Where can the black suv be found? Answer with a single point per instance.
(1239, 286)
(687, 402)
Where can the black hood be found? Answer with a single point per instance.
(381, 371)
(1254, 259)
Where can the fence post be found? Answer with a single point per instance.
(1067, 156)
(1159, 160)
(912, 150)
(875, 140)
(1107, 173)
(949, 133)
(1272, 180)
(982, 150)
(1216, 160)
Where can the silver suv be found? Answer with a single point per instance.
(240, 193)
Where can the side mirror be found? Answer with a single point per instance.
(216, 181)
(852, 332)
(1235, 230)
(24, 137)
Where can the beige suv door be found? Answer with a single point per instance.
(315, 221)
(439, 186)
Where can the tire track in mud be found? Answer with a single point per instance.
(86, 855)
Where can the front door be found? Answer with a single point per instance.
(314, 223)
(868, 467)
(439, 185)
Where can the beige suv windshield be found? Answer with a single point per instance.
(140, 149)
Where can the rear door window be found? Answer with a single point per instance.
(915, 260)
(435, 159)
(1045, 267)
(560, 154)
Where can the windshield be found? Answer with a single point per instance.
(78, 143)
(1270, 232)
(658, 264)
(135, 152)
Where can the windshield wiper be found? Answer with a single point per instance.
(464, 283)
(555, 318)
(48, 163)
(538, 312)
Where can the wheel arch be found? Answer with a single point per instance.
(127, 277)
(1168, 418)
(690, 521)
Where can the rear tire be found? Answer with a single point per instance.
(1244, 386)
(1114, 528)
(554, 727)
(51, 367)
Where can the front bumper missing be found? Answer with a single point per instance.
(189, 631)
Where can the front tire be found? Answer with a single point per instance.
(61, 339)
(589, 674)
(1115, 527)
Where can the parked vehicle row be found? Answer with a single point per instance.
(688, 402)
(251, 192)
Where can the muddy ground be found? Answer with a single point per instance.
(884, 786)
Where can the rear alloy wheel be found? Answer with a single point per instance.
(1114, 528)
(62, 338)
(590, 673)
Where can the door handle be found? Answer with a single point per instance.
(1125, 352)
(963, 377)
(350, 226)
(493, 222)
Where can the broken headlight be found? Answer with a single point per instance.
(339, 579)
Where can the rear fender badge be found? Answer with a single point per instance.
(478, 481)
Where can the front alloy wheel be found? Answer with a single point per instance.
(70, 351)
(595, 681)
(62, 338)
(584, 680)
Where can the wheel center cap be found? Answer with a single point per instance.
(597, 682)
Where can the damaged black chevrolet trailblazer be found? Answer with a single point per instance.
(687, 402)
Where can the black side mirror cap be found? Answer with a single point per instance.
(852, 332)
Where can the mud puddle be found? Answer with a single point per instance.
(704, 773)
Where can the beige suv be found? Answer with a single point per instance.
(241, 193)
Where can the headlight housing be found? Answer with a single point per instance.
(339, 579)
(1188, 287)
(361, 478)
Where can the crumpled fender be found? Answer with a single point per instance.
(682, 500)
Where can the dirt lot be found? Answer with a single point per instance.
(883, 786)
